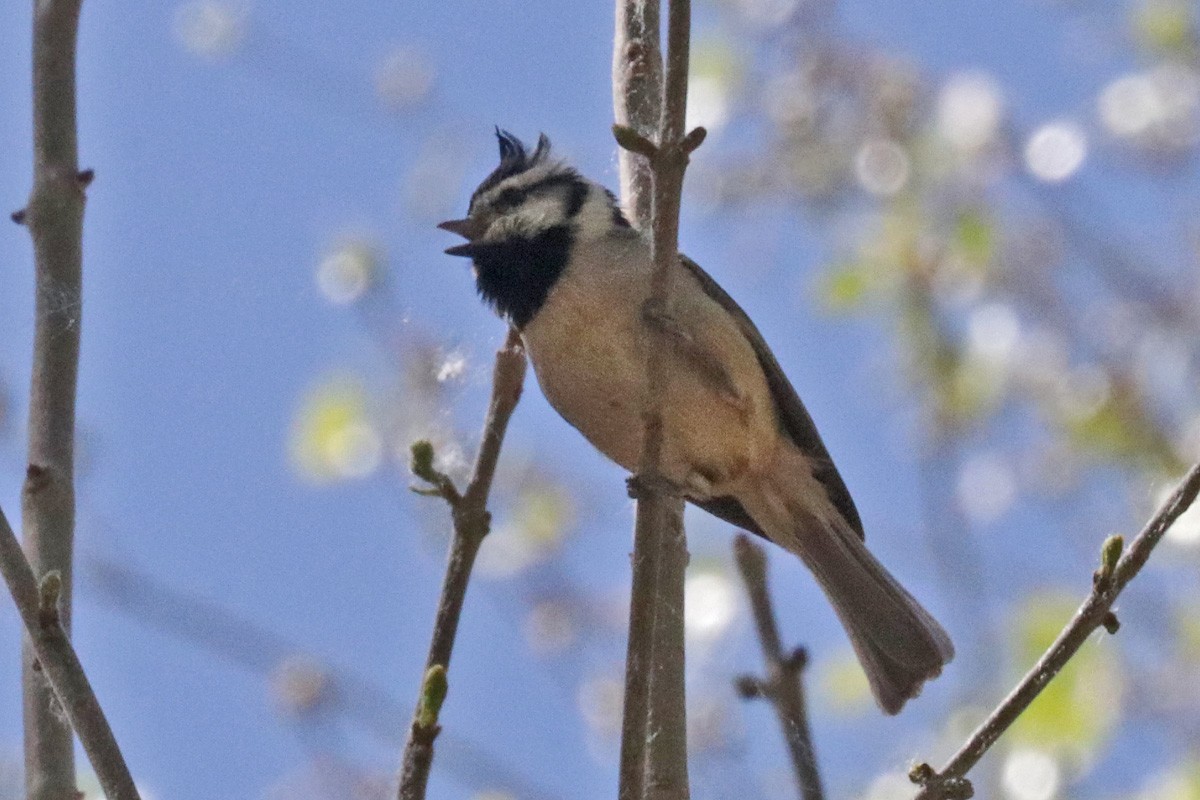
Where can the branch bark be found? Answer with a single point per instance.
(54, 217)
(654, 727)
(781, 686)
(39, 605)
(1117, 569)
(637, 97)
(472, 522)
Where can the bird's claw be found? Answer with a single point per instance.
(663, 322)
(638, 485)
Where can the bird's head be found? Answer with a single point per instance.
(529, 194)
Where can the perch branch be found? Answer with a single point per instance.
(54, 218)
(1117, 568)
(781, 685)
(39, 606)
(654, 725)
(472, 522)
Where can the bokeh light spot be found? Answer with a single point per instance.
(1031, 775)
(1056, 151)
(710, 605)
(347, 272)
(210, 28)
(969, 110)
(404, 79)
(882, 167)
(986, 488)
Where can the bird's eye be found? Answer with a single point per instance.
(509, 198)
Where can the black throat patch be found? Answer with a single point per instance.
(515, 276)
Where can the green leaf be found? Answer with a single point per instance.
(975, 237)
(845, 287)
(1165, 26)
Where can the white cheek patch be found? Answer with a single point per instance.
(595, 219)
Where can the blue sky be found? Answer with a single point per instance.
(220, 184)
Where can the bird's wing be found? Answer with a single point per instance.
(793, 416)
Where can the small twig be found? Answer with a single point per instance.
(472, 522)
(39, 605)
(637, 97)
(1112, 576)
(782, 685)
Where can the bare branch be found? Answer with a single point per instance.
(637, 97)
(1096, 611)
(39, 605)
(54, 218)
(654, 727)
(471, 524)
(781, 686)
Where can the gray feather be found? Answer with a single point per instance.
(793, 416)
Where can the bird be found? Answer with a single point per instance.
(555, 256)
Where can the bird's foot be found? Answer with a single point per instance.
(638, 485)
(659, 320)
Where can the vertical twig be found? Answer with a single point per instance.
(781, 686)
(654, 728)
(637, 97)
(637, 103)
(471, 524)
(39, 607)
(1116, 570)
(54, 216)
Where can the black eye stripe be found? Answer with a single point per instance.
(514, 196)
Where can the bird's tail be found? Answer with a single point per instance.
(898, 643)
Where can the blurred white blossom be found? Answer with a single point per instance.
(600, 700)
(993, 334)
(707, 103)
(1155, 108)
(890, 786)
(882, 167)
(969, 110)
(300, 685)
(1186, 530)
(348, 271)
(1056, 151)
(1031, 775)
(710, 605)
(211, 28)
(404, 78)
(986, 488)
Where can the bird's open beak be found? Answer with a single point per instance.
(468, 228)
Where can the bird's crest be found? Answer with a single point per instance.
(515, 158)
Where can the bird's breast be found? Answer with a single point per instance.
(587, 349)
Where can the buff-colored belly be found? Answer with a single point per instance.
(588, 348)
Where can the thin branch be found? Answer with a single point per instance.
(654, 727)
(1116, 570)
(782, 685)
(637, 106)
(637, 97)
(471, 524)
(54, 217)
(39, 605)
